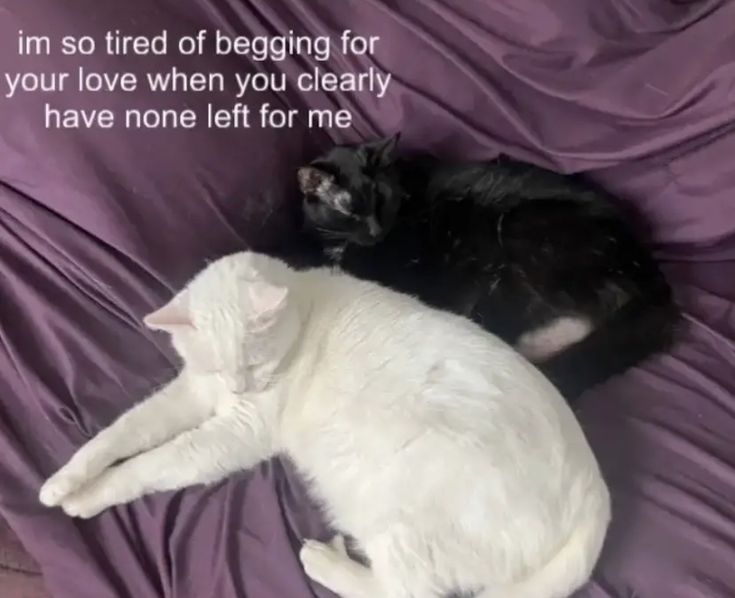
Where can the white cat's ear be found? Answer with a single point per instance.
(172, 316)
(266, 300)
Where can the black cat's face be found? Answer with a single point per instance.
(352, 194)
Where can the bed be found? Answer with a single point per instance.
(97, 227)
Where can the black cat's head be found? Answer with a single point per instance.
(352, 193)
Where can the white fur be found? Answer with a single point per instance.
(448, 457)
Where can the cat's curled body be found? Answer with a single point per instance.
(450, 459)
(543, 260)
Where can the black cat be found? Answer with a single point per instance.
(541, 259)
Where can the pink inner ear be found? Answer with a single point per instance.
(170, 316)
(266, 299)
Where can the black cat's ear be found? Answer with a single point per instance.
(310, 179)
(383, 152)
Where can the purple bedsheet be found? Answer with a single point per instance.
(98, 227)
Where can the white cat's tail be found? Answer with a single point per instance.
(569, 568)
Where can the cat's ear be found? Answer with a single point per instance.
(266, 300)
(311, 178)
(382, 153)
(171, 317)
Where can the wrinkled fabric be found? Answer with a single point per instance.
(98, 227)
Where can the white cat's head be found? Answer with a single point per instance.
(232, 320)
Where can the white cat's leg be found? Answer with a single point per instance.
(204, 455)
(331, 566)
(160, 417)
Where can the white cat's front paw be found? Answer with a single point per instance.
(59, 486)
(110, 489)
(91, 500)
(83, 506)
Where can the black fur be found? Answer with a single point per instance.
(511, 245)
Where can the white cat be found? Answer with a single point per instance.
(453, 463)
